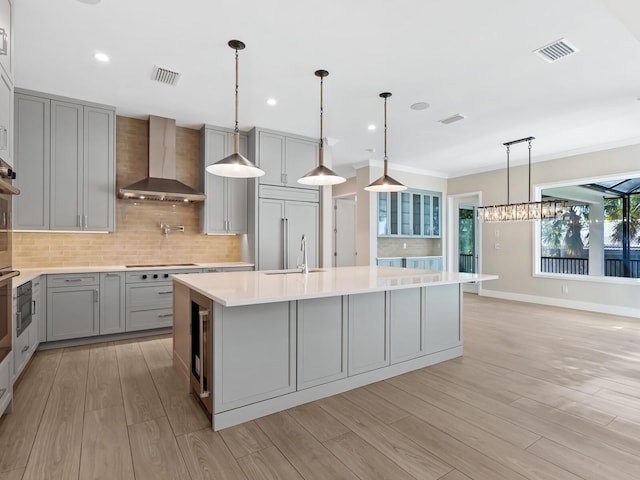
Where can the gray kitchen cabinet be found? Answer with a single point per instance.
(255, 345)
(70, 144)
(412, 213)
(284, 157)
(112, 302)
(32, 162)
(390, 262)
(443, 322)
(66, 166)
(281, 224)
(408, 326)
(322, 341)
(225, 208)
(6, 37)
(73, 311)
(368, 332)
(6, 118)
(39, 293)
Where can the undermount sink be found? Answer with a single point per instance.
(287, 272)
(162, 265)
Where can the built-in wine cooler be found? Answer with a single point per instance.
(201, 361)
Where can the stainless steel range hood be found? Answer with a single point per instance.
(161, 184)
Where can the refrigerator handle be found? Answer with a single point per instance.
(286, 248)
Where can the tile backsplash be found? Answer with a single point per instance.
(416, 247)
(138, 238)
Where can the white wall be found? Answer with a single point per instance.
(513, 259)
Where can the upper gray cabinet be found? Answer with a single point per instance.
(225, 209)
(6, 37)
(283, 157)
(65, 161)
(412, 213)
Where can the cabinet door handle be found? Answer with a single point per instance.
(165, 315)
(19, 320)
(2, 392)
(95, 296)
(112, 275)
(25, 348)
(33, 302)
(79, 224)
(165, 292)
(203, 315)
(72, 279)
(86, 222)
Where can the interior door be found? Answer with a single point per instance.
(345, 232)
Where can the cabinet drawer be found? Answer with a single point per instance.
(153, 295)
(73, 280)
(5, 383)
(146, 318)
(22, 351)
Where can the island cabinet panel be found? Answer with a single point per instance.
(322, 341)
(444, 315)
(368, 332)
(407, 324)
(254, 353)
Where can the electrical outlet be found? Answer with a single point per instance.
(497, 246)
(497, 233)
(404, 245)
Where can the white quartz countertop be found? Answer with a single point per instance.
(249, 288)
(27, 274)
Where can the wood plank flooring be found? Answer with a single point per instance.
(541, 393)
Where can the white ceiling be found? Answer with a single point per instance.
(461, 56)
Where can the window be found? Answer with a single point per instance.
(600, 233)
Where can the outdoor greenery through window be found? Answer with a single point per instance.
(599, 234)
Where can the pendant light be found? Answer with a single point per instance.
(385, 183)
(530, 210)
(321, 175)
(235, 165)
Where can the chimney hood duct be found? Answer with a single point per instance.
(161, 184)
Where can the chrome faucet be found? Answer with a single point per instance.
(304, 266)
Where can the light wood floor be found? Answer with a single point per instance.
(541, 393)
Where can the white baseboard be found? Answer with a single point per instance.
(563, 303)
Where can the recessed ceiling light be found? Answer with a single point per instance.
(419, 106)
(272, 101)
(101, 57)
(371, 127)
(90, 2)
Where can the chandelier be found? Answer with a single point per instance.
(516, 212)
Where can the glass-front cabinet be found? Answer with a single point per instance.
(412, 213)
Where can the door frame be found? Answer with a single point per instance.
(453, 204)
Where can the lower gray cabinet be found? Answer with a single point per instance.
(322, 341)
(112, 302)
(368, 332)
(149, 306)
(254, 353)
(408, 325)
(73, 311)
(443, 312)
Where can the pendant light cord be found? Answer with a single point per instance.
(321, 117)
(508, 149)
(236, 130)
(385, 136)
(529, 170)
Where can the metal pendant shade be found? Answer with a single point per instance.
(385, 183)
(321, 175)
(235, 165)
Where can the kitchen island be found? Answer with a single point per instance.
(254, 343)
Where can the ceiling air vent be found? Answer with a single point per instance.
(453, 118)
(556, 50)
(164, 75)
